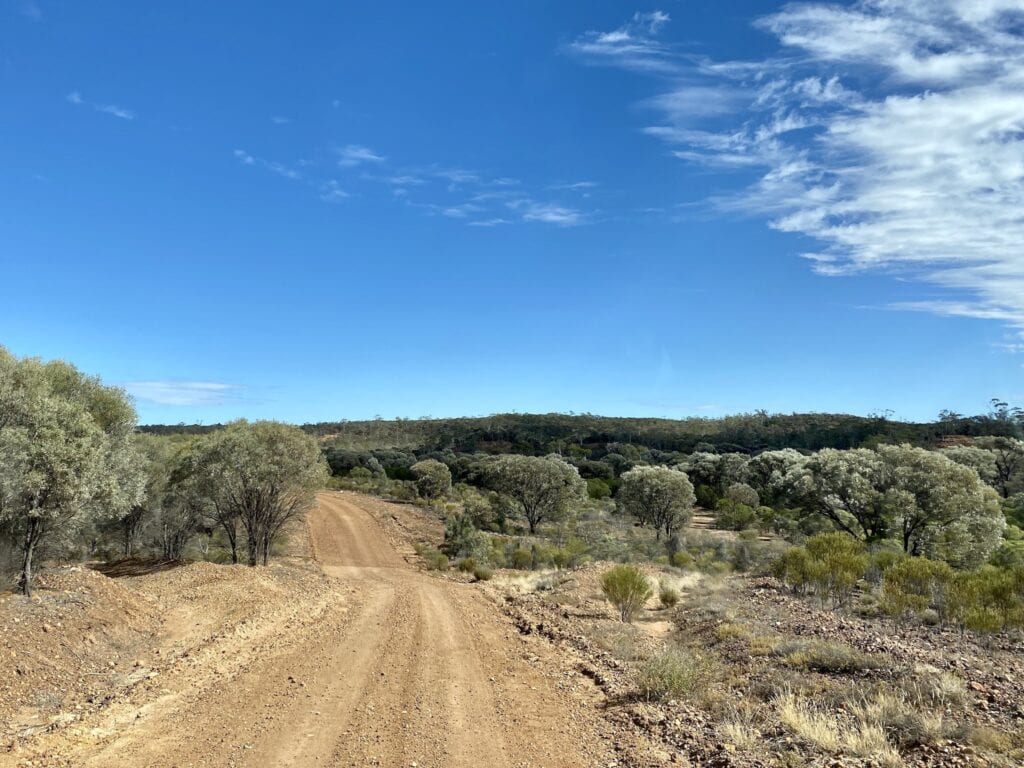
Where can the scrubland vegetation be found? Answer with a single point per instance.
(909, 529)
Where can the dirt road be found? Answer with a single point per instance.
(401, 669)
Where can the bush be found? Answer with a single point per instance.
(674, 674)
(466, 565)
(682, 559)
(598, 488)
(627, 589)
(461, 538)
(911, 585)
(483, 573)
(522, 559)
(830, 563)
(436, 561)
(824, 656)
(668, 596)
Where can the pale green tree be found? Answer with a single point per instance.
(1008, 455)
(433, 478)
(848, 488)
(544, 488)
(657, 496)
(773, 473)
(266, 473)
(981, 460)
(67, 458)
(940, 508)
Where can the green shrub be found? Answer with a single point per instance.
(682, 559)
(461, 538)
(436, 561)
(911, 585)
(522, 558)
(483, 573)
(824, 656)
(627, 589)
(831, 564)
(674, 674)
(668, 596)
(467, 565)
(598, 488)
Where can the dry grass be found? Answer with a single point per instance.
(833, 733)
(676, 674)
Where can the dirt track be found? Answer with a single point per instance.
(393, 668)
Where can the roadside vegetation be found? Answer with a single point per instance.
(718, 564)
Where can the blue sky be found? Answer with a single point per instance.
(408, 209)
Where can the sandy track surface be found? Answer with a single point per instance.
(398, 668)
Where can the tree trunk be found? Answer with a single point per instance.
(254, 547)
(32, 534)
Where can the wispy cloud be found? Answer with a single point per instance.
(550, 213)
(281, 169)
(109, 109)
(355, 154)
(280, 120)
(184, 393)
(891, 133)
(634, 45)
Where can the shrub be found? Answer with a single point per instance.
(461, 538)
(522, 558)
(598, 488)
(682, 560)
(831, 564)
(911, 585)
(674, 674)
(467, 565)
(436, 561)
(824, 656)
(668, 596)
(483, 573)
(627, 589)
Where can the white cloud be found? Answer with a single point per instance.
(550, 213)
(271, 165)
(331, 192)
(185, 393)
(633, 45)
(893, 137)
(280, 120)
(109, 109)
(354, 154)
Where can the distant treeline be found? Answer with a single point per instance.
(538, 434)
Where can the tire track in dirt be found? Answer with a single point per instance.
(401, 669)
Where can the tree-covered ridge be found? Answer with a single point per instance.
(539, 434)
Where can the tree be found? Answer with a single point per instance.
(657, 496)
(66, 454)
(772, 475)
(1008, 456)
(266, 473)
(981, 460)
(848, 488)
(433, 478)
(154, 457)
(542, 487)
(939, 508)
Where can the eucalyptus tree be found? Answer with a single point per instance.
(940, 508)
(657, 496)
(433, 478)
(1008, 456)
(772, 474)
(265, 474)
(67, 458)
(542, 487)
